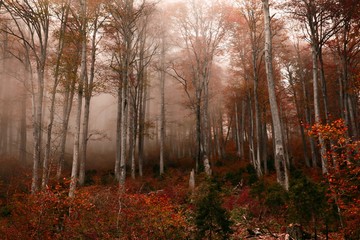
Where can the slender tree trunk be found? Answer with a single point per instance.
(237, 130)
(257, 162)
(132, 133)
(242, 129)
(88, 95)
(60, 48)
(205, 130)
(47, 155)
(68, 101)
(162, 107)
(298, 112)
(307, 110)
(280, 158)
(259, 142)
(265, 142)
(82, 80)
(323, 84)
(198, 130)
(317, 106)
(124, 127)
(142, 126)
(76, 150)
(118, 133)
(251, 133)
(352, 116)
(84, 138)
(37, 127)
(23, 132)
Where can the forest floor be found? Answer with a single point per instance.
(157, 207)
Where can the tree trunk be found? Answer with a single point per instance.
(47, 155)
(124, 122)
(118, 133)
(60, 48)
(280, 160)
(132, 133)
(68, 102)
(237, 130)
(298, 113)
(265, 142)
(251, 133)
(162, 107)
(323, 84)
(317, 106)
(23, 132)
(205, 130)
(198, 130)
(257, 130)
(84, 138)
(82, 80)
(142, 126)
(89, 82)
(242, 128)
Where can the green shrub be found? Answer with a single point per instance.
(308, 202)
(270, 195)
(211, 219)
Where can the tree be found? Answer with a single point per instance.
(32, 24)
(280, 158)
(64, 14)
(252, 15)
(82, 80)
(202, 27)
(128, 36)
(96, 18)
(343, 179)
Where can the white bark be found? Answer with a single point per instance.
(59, 51)
(192, 180)
(280, 158)
(317, 106)
(82, 79)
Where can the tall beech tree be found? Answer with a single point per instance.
(345, 47)
(280, 157)
(202, 28)
(251, 11)
(31, 24)
(96, 16)
(63, 15)
(320, 27)
(80, 89)
(128, 41)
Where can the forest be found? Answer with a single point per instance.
(180, 119)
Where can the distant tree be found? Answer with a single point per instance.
(202, 28)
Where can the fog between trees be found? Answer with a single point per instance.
(122, 85)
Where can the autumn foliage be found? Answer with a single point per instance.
(343, 158)
(95, 213)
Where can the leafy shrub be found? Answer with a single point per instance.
(272, 196)
(211, 219)
(234, 177)
(151, 216)
(252, 176)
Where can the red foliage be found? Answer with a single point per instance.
(94, 213)
(343, 175)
